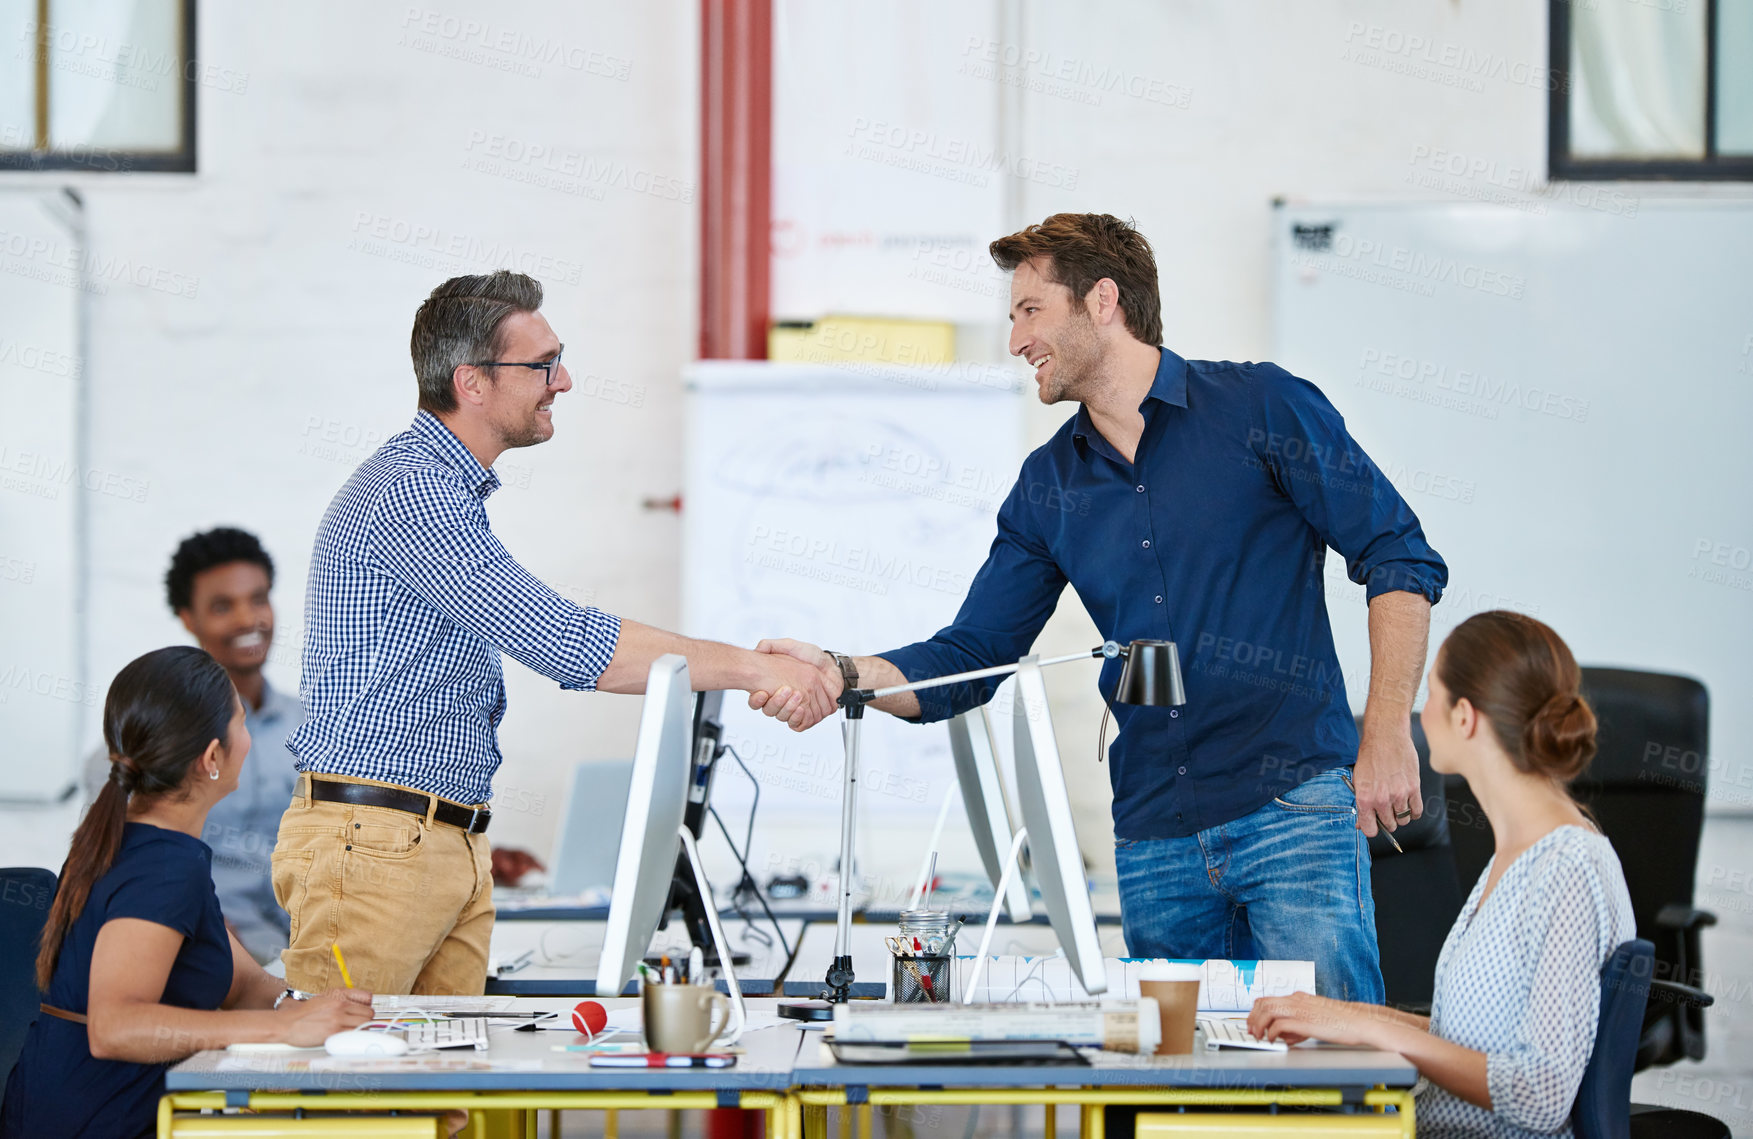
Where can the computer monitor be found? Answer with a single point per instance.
(590, 828)
(1045, 807)
(657, 799)
(982, 789)
(686, 895)
(655, 822)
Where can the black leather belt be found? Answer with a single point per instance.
(471, 819)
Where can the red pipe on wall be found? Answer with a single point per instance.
(736, 176)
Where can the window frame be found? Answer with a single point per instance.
(1561, 164)
(106, 160)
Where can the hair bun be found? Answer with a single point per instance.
(1560, 738)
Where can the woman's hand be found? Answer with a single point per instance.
(1299, 1016)
(309, 1023)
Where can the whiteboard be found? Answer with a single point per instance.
(45, 481)
(1563, 395)
(849, 508)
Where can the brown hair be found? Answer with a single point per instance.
(1081, 249)
(1521, 675)
(162, 711)
(459, 324)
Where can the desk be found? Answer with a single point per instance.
(566, 941)
(1364, 1082)
(565, 954)
(518, 1075)
(784, 1072)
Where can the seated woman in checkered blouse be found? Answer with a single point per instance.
(1518, 985)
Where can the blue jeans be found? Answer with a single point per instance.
(1290, 882)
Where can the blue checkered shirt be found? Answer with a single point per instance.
(411, 600)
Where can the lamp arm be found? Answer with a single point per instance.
(866, 695)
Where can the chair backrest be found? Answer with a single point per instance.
(1603, 1102)
(1647, 782)
(25, 896)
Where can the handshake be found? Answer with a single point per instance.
(794, 682)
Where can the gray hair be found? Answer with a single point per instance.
(459, 324)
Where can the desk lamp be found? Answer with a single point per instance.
(1150, 677)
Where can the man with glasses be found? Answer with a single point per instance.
(382, 859)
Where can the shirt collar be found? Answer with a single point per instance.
(1169, 386)
(453, 454)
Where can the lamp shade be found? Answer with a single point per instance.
(1152, 675)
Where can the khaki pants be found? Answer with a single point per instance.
(408, 900)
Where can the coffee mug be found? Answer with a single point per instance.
(1176, 991)
(679, 1018)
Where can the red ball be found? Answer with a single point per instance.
(589, 1018)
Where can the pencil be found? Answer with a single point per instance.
(342, 962)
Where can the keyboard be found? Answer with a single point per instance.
(457, 1032)
(1234, 1034)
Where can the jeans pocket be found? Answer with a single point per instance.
(383, 833)
(1329, 792)
(290, 874)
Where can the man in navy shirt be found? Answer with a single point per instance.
(1213, 492)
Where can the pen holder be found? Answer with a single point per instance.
(923, 979)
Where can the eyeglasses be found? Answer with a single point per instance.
(550, 369)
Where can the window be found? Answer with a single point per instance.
(101, 85)
(1651, 89)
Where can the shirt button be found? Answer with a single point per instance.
(1181, 770)
(1140, 490)
(1174, 713)
(1159, 599)
(1147, 543)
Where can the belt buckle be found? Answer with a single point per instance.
(479, 817)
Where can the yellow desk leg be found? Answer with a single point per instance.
(1092, 1124)
(1050, 1121)
(864, 1121)
(611, 1124)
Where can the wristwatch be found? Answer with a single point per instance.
(295, 994)
(848, 669)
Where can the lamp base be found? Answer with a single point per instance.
(806, 1010)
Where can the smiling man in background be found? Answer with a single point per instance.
(218, 586)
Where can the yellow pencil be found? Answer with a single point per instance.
(342, 962)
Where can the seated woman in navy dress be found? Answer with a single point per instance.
(1518, 984)
(138, 968)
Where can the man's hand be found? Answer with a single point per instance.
(511, 864)
(1386, 779)
(802, 683)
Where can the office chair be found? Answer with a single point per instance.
(1416, 891)
(1646, 789)
(25, 896)
(1603, 1107)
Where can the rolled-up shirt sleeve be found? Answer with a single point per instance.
(1534, 1082)
(437, 543)
(1008, 602)
(1302, 441)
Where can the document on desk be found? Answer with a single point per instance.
(1227, 986)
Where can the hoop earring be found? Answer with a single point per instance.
(214, 774)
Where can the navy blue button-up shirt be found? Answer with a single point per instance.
(1215, 538)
